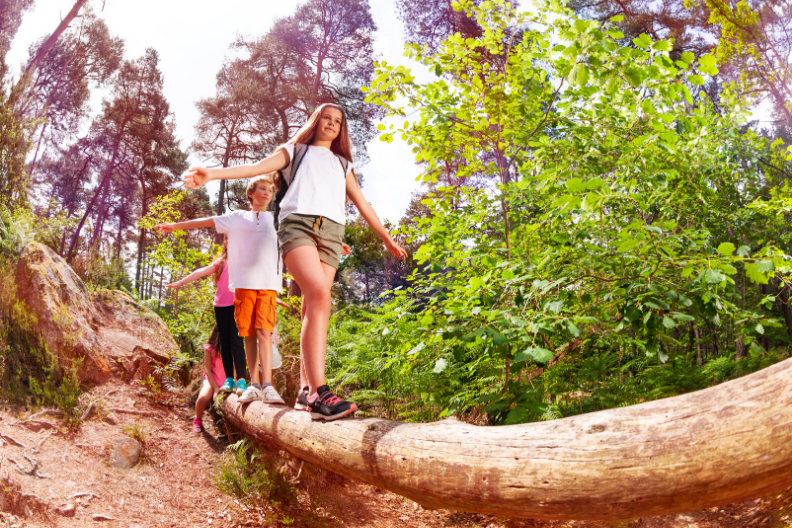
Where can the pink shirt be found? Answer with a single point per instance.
(223, 296)
(217, 365)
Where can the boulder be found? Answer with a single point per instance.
(126, 453)
(108, 329)
(62, 304)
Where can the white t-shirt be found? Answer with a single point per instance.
(253, 258)
(318, 188)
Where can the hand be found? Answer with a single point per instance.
(196, 177)
(215, 391)
(164, 229)
(177, 284)
(345, 249)
(395, 249)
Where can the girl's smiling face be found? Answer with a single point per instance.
(329, 124)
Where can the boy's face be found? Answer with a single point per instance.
(329, 124)
(261, 195)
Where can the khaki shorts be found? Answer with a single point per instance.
(304, 230)
(254, 309)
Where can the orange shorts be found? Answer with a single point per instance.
(254, 309)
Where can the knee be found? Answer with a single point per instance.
(318, 296)
(263, 334)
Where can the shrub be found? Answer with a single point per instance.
(247, 473)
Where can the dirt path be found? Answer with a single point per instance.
(173, 485)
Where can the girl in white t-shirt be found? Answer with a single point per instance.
(318, 177)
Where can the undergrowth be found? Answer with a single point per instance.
(293, 493)
(246, 472)
(29, 373)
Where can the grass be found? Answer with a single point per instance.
(247, 473)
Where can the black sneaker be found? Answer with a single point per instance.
(302, 400)
(328, 407)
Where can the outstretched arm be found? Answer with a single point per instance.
(195, 275)
(164, 229)
(354, 193)
(198, 176)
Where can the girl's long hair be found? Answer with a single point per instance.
(221, 260)
(341, 145)
(214, 339)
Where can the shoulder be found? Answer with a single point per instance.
(209, 348)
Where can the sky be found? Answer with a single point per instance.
(192, 39)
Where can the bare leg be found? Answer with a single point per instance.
(265, 354)
(303, 376)
(204, 397)
(315, 279)
(252, 356)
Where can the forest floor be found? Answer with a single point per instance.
(174, 486)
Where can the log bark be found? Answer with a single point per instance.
(717, 446)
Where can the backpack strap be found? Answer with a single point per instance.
(300, 149)
(344, 164)
(287, 175)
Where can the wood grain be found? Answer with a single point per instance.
(713, 447)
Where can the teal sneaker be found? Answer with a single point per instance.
(228, 386)
(241, 387)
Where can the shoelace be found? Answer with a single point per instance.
(332, 399)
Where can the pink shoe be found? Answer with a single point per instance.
(197, 426)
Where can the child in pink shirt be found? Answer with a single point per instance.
(232, 347)
(212, 378)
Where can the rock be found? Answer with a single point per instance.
(102, 517)
(66, 510)
(126, 453)
(104, 328)
(62, 304)
(111, 418)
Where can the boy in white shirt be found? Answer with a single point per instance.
(254, 274)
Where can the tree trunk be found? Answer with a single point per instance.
(19, 87)
(725, 444)
(88, 209)
(740, 346)
(139, 263)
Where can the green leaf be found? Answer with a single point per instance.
(507, 274)
(743, 251)
(634, 75)
(554, 306)
(726, 249)
(765, 266)
(417, 348)
(627, 245)
(759, 328)
(440, 366)
(688, 57)
(572, 329)
(755, 350)
(582, 76)
(537, 354)
(662, 45)
(683, 318)
(696, 79)
(712, 276)
(755, 276)
(668, 322)
(427, 319)
(643, 41)
(617, 18)
(707, 60)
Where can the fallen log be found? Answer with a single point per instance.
(717, 446)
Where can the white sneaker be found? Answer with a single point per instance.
(270, 395)
(251, 394)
